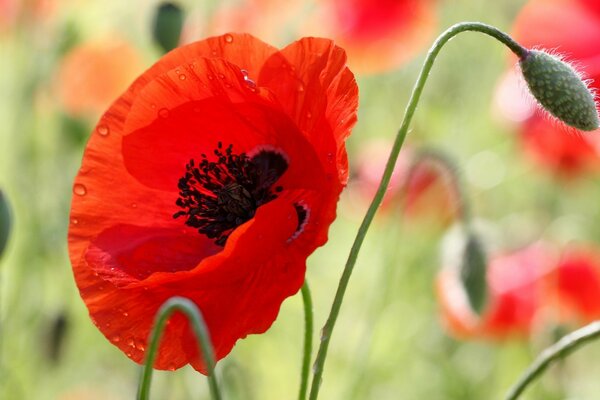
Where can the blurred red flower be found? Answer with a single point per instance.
(379, 35)
(572, 28)
(573, 287)
(515, 296)
(419, 187)
(213, 177)
(94, 73)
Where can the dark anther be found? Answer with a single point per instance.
(217, 196)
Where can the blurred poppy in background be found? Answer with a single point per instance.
(213, 177)
(94, 73)
(379, 35)
(515, 296)
(419, 186)
(573, 286)
(571, 28)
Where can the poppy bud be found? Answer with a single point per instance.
(473, 273)
(5, 222)
(167, 27)
(560, 90)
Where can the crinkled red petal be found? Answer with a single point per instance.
(128, 253)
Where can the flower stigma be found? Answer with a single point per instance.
(218, 196)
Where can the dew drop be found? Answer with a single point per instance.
(126, 314)
(182, 77)
(79, 189)
(133, 205)
(211, 77)
(141, 347)
(103, 130)
(116, 339)
(250, 83)
(74, 221)
(130, 343)
(163, 113)
(301, 87)
(308, 115)
(244, 72)
(221, 76)
(229, 38)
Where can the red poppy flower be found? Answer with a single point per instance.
(213, 177)
(550, 24)
(574, 285)
(515, 296)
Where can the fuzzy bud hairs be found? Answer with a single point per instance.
(560, 90)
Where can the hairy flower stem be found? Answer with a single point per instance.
(553, 353)
(385, 180)
(198, 326)
(308, 336)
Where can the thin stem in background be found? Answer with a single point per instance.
(308, 337)
(198, 326)
(385, 180)
(553, 353)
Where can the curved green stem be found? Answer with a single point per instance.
(385, 180)
(198, 326)
(559, 350)
(308, 335)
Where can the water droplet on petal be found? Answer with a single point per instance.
(229, 38)
(133, 205)
(74, 221)
(211, 77)
(126, 314)
(130, 343)
(79, 189)
(116, 339)
(244, 72)
(301, 87)
(182, 77)
(308, 115)
(221, 76)
(163, 113)
(250, 83)
(103, 130)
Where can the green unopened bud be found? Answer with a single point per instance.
(473, 273)
(560, 90)
(168, 23)
(5, 222)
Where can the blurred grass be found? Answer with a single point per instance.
(388, 343)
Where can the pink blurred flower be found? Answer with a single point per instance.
(419, 188)
(515, 293)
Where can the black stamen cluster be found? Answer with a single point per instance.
(217, 196)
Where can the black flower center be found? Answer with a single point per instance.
(217, 196)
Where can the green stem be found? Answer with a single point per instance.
(385, 180)
(308, 335)
(555, 352)
(198, 326)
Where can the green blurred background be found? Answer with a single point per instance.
(389, 342)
